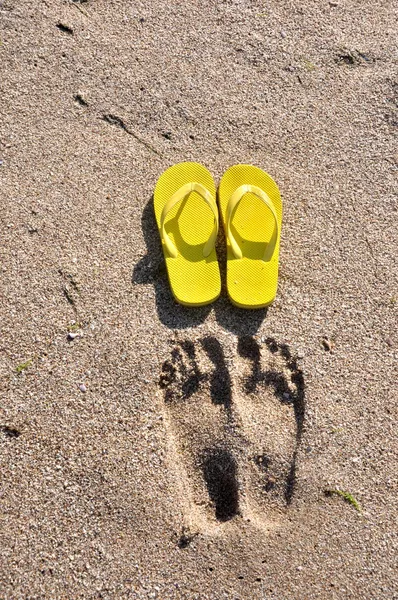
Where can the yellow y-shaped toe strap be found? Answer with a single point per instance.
(231, 207)
(179, 195)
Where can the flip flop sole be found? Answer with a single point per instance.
(251, 280)
(194, 279)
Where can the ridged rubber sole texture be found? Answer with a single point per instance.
(194, 279)
(251, 282)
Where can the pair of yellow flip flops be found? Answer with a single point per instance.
(187, 215)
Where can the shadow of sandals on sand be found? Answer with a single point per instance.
(152, 269)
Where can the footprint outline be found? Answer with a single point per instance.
(182, 377)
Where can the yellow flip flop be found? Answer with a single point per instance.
(251, 210)
(187, 217)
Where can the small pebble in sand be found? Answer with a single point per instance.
(283, 34)
(82, 388)
(72, 336)
(286, 396)
(389, 342)
(327, 344)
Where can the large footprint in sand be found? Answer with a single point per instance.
(234, 436)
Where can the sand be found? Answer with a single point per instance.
(167, 452)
